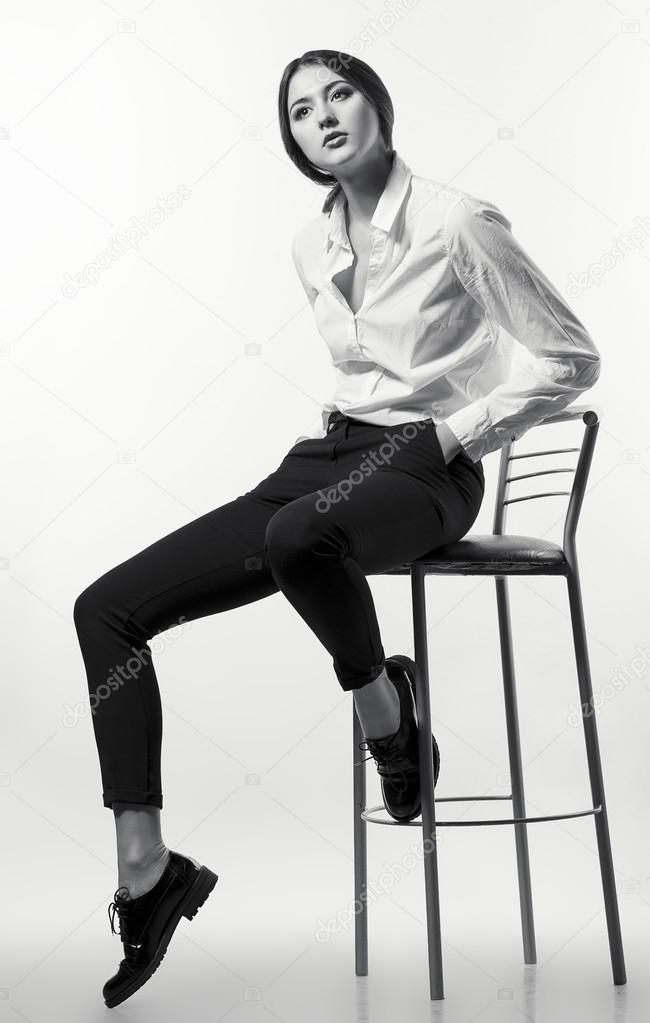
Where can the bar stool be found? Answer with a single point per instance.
(500, 555)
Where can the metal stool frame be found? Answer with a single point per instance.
(500, 569)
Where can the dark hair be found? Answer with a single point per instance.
(359, 74)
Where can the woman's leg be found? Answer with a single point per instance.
(212, 564)
(285, 534)
(393, 499)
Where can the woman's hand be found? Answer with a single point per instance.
(448, 441)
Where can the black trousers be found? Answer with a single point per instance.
(360, 500)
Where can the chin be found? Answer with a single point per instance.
(339, 155)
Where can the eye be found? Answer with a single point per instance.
(337, 92)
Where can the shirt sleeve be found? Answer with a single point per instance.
(558, 361)
(311, 297)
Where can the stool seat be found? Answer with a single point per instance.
(485, 553)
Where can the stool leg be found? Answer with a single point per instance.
(596, 776)
(429, 834)
(360, 854)
(516, 772)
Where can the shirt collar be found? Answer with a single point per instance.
(390, 200)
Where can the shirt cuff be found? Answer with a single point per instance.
(475, 436)
(451, 443)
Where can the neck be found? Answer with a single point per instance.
(364, 185)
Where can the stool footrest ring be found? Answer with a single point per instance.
(368, 814)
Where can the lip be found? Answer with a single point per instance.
(333, 138)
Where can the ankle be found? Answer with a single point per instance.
(141, 876)
(142, 859)
(378, 708)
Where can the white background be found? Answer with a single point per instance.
(178, 380)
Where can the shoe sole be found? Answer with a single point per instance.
(409, 668)
(187, 907)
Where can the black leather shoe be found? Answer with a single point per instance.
(397, 754)
(147, 923)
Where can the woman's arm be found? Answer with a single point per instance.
(561, 360)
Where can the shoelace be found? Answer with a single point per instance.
(120, 906)
(382, 750)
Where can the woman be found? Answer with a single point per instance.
(409, 281)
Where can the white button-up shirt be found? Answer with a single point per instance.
(457, 323)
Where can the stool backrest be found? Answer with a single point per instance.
(590, 417)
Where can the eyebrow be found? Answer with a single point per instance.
(305, 99)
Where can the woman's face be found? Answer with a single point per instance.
(320, 101)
